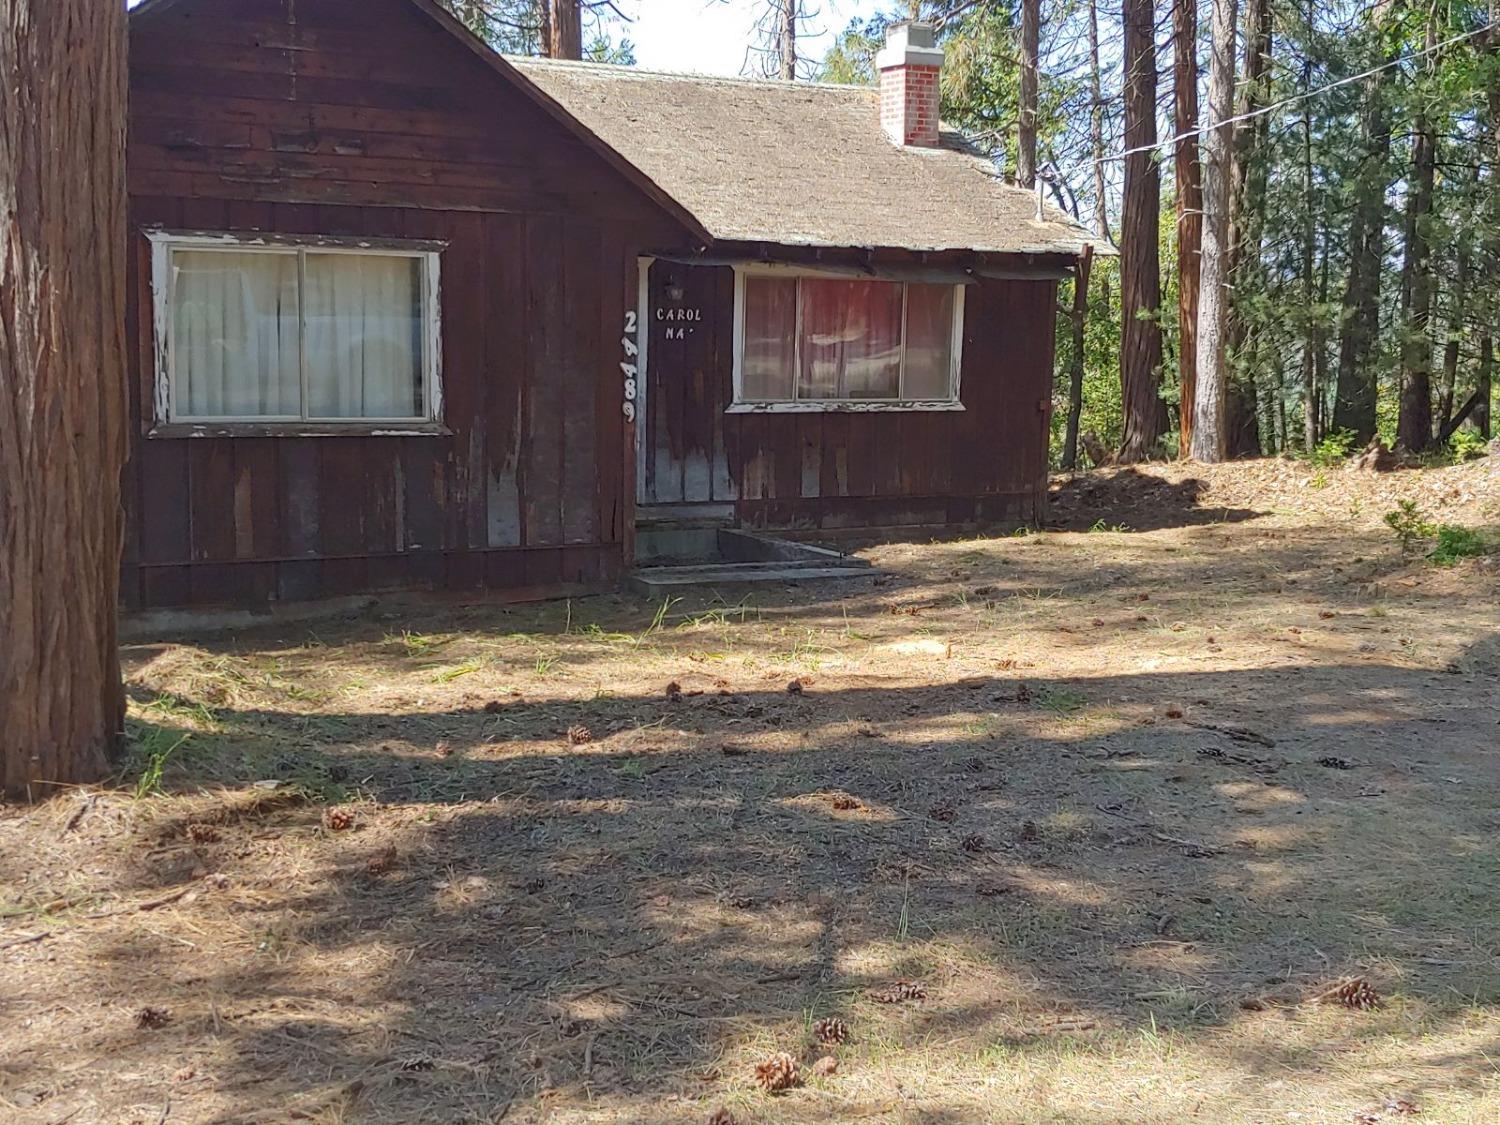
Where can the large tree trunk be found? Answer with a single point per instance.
(62, 388)
(1096, 127)
(1247, 196)
(1140, 256)
(1457, 306)
(1312, 342)
(1414, 422)
(1354, 393)
(564, 29)
(1079, 318)
(1209, 436)
(1031, 33)
(1491, 311)
(1189, 206)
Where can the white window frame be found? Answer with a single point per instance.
(794, 405)
(169, 418)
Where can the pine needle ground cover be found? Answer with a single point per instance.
(1189, 817)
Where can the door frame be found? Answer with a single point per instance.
(642, 378)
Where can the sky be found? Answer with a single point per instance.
(710, 36)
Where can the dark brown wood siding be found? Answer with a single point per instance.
(985, 464)
(363, 118)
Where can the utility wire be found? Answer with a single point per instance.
(1053, 170)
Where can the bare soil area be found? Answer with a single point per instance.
(1119, 802)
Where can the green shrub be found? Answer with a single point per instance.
(1410, 525)
(1334, 449)
(1466, 445)
(1455, 543)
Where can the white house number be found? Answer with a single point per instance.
(628, 364)
(679, 322)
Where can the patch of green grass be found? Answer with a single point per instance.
(457, 671)
(151, 747)
(1455, 543)
(545, 665)
(415, 644)
(1062, 701)
(1100, 525)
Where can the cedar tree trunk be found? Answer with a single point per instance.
(62, 388)
(564, 29)
(1140, 254)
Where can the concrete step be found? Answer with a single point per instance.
(657, 579)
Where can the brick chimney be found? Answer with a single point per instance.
(909, 64)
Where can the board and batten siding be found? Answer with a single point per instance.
(364, 119)
(984, 464)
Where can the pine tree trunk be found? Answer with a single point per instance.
(1079, 317)
(1457, 302)
(1189, 177)
(1354, 393)
(1096, 127)
(786, 40)
(1247, 195)
(1140, 254)
(564, 29)
(1312, 343)
(1031, 31)
(1209, 436)
(1414, 422)
(62, 388)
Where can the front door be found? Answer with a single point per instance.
(689, 337)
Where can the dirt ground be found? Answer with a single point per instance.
(1122, 800)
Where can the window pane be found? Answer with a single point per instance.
(929, 341)
(364, 336)
(234, 334)
(770, 331)
(851, 339)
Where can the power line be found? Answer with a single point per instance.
(1274, 107)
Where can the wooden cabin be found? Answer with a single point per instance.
(406, 314)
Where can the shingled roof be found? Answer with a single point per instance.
(798, 163)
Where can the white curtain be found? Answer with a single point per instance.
(234, 334)
(364, 336)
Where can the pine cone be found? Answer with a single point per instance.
(1023, 692)
(203, 833)
(900, 992)
(975, 844)
(794, 688)
(1353, 992)
(149, 1017)
(721, 1116)
(943, 812)
(579, 734)
(1029, 831)
(844, 802)
(1334, 762)
(777, 1073)
(381, 862)
(825, 1066)
(831, 1030)
(674, 691)
(338, 819)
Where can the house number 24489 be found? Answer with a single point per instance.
(629, 365)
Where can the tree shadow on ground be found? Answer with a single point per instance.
(524, 926)
(1131, 500)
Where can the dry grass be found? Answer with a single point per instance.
(1069, 783)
